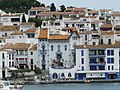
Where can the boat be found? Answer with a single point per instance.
(6, 85)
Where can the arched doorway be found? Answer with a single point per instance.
(69, 75)
(63, 76)
(55, 76)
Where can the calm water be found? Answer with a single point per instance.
(91, 86)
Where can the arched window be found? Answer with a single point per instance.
(65, 47)
(69, 75)
(52, 47)
(55, 76)
(58, 47)
(63, 75)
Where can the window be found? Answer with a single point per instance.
(5, 19)
(110, 60)
(82, 68)
(9, 56)
(57, 24)
(82, 52)
(101, 41)
(74, 37)
(108, 67)
(110, 52)
(109, 41)
(82, 60)
(5, 34)
(31, 61)
(15, 19)
(85, 43)
(85, 37)
(73, 25)
(44, 24)
(3, 56)
(32, 12)
(31, 53)
(51, 47)
(84, 19)
(65, 47)
(112, 67)
(66, 25)
(94, 43)
(9, 64)
(12, 64)
(3, 64)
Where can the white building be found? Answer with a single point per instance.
(57, 50)
(11, 19)
(6, 63)
(92, 62)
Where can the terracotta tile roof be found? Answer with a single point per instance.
(117, 27)
(34, 47)
(30, 30)
(60, 13)
(39, 8)
(17, 33)
(17, 46)
(87, 32)
(106, 26)
(9, 28)
(117, 45)
(93, 11)
(43, 34)
(107, 32)
(76, 9)
(59, 37)
(116, 14)
(105, 10)
(68, 28)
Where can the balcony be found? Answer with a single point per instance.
(97, 68)
(96, 55)
(97, 63)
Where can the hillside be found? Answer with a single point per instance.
(18, 5)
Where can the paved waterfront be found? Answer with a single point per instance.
(90, 86)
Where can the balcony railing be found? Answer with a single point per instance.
(97, 55)
(97, 63)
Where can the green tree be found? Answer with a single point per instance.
(52, 8)
(23, 18)
(62, 8)
(37, 21)
(42, 5)
(18, 5)
(37, 70)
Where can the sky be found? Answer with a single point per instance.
(92, 4)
